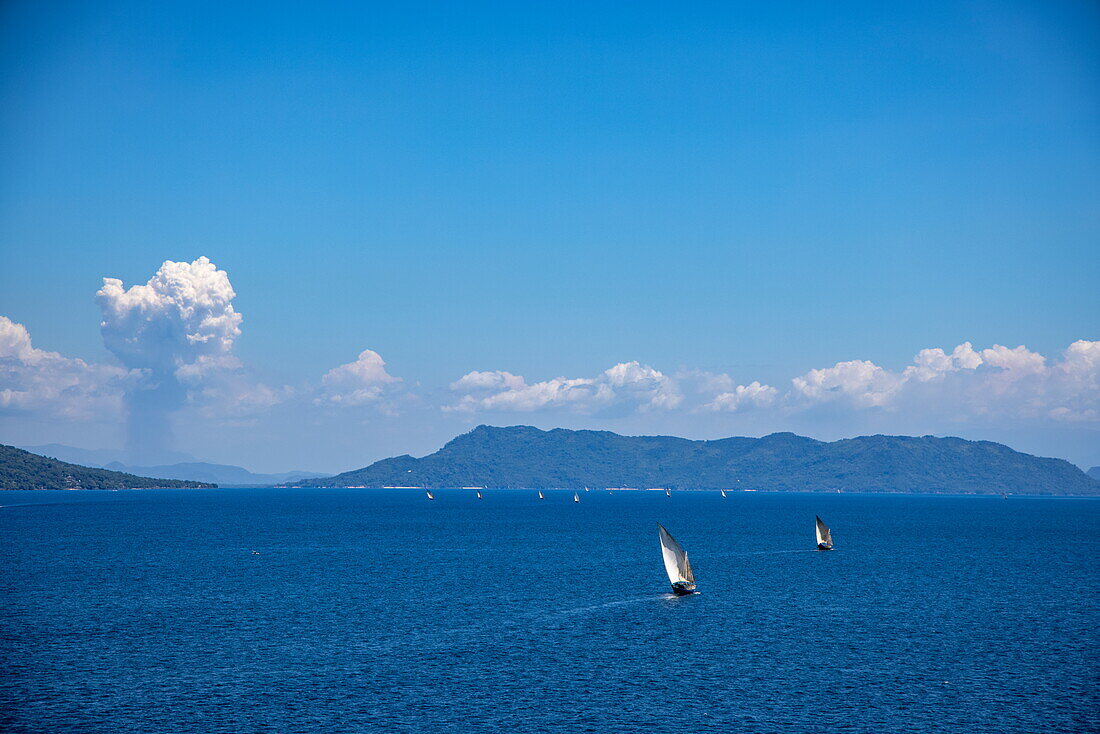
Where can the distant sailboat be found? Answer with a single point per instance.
(540, 495)
(676, 564)
(668, 492)
(576, 497)
(723, 492)
(586, 489)
(824, 537)
(479, 494)
(430, 495)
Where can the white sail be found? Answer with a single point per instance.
(540, 494)
(723, 492)
(668, 493)
(823, 534)
(576, 497)
(430, 495)
(479, 494)
(676, 560)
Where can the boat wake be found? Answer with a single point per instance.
(621, 602)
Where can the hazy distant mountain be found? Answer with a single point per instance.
(1094, 472)
(100, 457)
(21, 469)
(521, 456)
(223, 474)
(178, 466)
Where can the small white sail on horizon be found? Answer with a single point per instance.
(576, 497)
(479, 494)
(540, 495)
(723, 492)
(668, 492)
(676, 561)
(430, 495)
(824, 536)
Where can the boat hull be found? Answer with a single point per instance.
(824, 546)
(683, 589)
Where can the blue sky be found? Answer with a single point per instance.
(752, 190)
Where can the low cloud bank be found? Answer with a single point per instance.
(965, 383)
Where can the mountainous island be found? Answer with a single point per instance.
(21, 469)
(522, 456)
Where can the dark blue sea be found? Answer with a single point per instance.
(379, 611)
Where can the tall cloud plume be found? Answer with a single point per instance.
(179, 330)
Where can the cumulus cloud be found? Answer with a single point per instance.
(627, 385)
(362, 382)
(753, 395)
(958, 385)
(35, 380)
(178, 329)
(997, 382)
(859, 382)
(184, 313)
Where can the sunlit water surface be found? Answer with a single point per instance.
(377, 610)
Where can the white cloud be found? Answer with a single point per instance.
(627, 385)
(963, 384)
(996, 383)
(930, 364)
(34, 380)
(863, 384)
(183, 314)
(744, 396)
(357, 383)
(493, 380)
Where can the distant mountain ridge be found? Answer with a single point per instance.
(224, 474)
(21, 469)
(522, 456)
(188, 468)
(1094, 472)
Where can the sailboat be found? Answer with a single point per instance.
(668, 492)
(430, 495)
(540, 495)
(824, 537)
(479, 494)
(586, 489)
(676, 564)
(576, 497)
(723, 492)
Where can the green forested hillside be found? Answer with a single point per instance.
(21, 469)
(521, 456)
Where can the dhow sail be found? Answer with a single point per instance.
(676, 563)
(824, 537)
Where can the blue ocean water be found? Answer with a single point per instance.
(376, 610)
